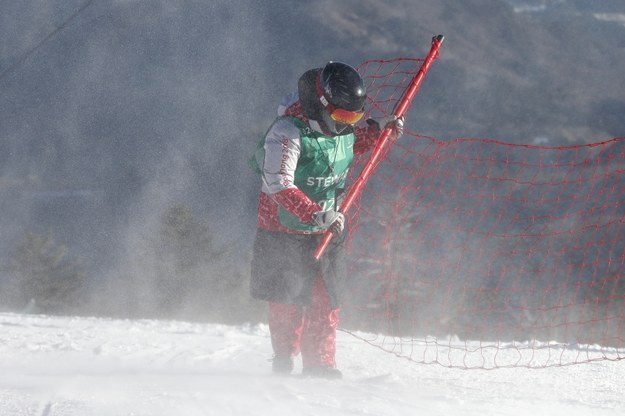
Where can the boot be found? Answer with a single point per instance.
(282, 365)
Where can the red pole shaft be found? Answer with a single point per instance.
(376, 154)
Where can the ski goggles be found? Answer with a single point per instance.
(340, 115)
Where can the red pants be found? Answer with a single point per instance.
(311, 330)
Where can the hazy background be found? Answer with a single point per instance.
(132, 108)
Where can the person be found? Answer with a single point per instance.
(303, 161)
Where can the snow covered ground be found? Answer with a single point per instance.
(55, 366)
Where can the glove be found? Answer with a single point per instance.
(397, 125)
(332, 220)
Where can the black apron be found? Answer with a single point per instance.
(284, 269)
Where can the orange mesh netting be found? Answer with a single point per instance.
(481, 254)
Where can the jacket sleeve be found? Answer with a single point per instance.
(282, 149)
(366, 137)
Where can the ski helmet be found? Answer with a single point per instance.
(343, 86)
(342, 93)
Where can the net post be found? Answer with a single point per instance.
(385, 135)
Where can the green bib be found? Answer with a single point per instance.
(321, 169)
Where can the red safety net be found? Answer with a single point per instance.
(476, 253)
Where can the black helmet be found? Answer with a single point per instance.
(342, 86)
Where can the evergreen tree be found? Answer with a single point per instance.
(181, 269)
(42, 278)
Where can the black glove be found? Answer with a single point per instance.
(332, 220)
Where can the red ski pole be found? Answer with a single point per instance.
(376, 154)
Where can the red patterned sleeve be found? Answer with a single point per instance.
(366, 138)
(297, 204)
